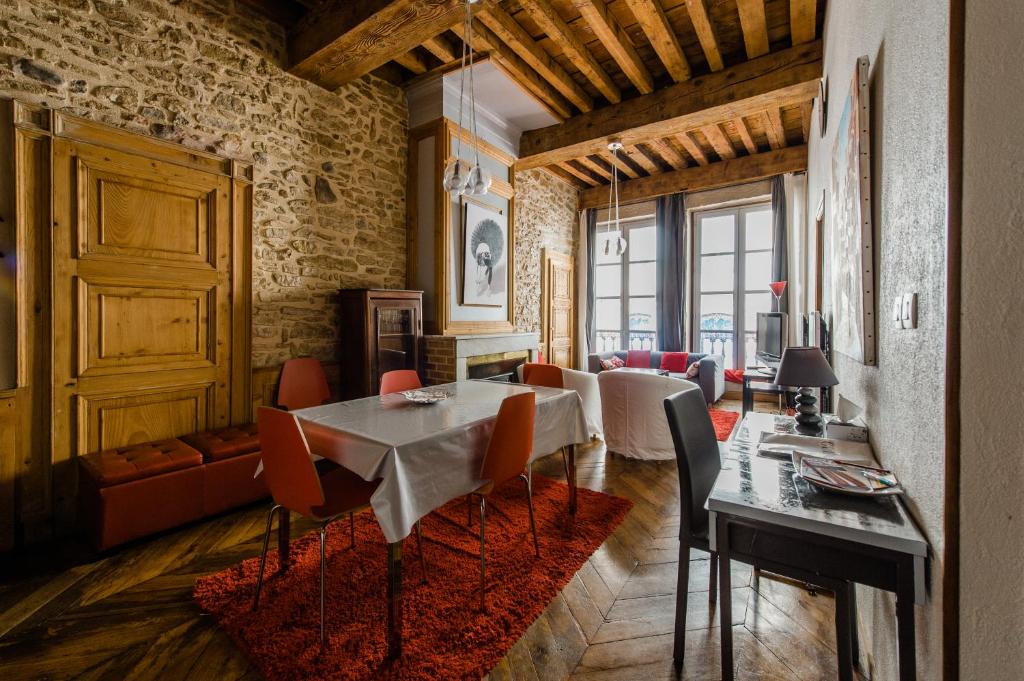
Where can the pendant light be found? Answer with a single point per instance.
(461, 176)
(615, 147)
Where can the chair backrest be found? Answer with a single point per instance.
(303, 384)
(512, 440)
(287, 467)
(697, 456)
(399, 380)
(544, 375)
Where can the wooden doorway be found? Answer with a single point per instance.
(558, 308)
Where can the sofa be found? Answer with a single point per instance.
(133, 491)
(634, 417)
(710, 377)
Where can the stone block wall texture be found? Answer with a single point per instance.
(545, 217)
(329, 168)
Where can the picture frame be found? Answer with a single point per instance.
(484, 254)
(851, 235)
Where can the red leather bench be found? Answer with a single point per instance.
(133, 491)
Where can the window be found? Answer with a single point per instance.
(625, 285)
(732, 270)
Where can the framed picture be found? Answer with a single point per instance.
(850, 241)
(484, 254)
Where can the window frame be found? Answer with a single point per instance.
(624, 333)
(740, 252)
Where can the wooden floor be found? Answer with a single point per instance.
(129, 615)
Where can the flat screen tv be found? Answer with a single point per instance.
(772, 337)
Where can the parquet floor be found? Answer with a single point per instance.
(129, 614)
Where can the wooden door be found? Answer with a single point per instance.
(142, 309)
(558, 308)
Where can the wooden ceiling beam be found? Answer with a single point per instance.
(620, 163)
(745, 135)
(782, 78)
(773, 128)
(692, 148)
(596, 168)
(713, 176)
(706, 33)
(637, 155)
(551, 22)
(668, 151)
(518, 70)
(617, 42)
(654, 23)
(805, 119)
(803, 25)
(568, 177)
(755, 27)
(442, 48)
(413, 62)
(577, 173)
(341, 40)
(718, 141)
(516, 37)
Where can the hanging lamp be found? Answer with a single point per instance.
(461, 176)
(614, 147)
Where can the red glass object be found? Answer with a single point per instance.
(777, 287)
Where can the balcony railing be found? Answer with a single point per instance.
(638, 340)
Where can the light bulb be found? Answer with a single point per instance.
(479, 181)
(620, 246)
(607, 246)
(456, 174)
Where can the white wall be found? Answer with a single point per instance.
(907, 44)
(992, 334)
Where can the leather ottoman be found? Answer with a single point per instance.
(231, 456)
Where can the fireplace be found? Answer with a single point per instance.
(486, 356)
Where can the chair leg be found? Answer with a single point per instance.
(483, 554)
(529, 504)
(682, 587)
(419, 545)
(323, 576)
(263, 556)
(352, 528)
(713, 582)
(469, 510)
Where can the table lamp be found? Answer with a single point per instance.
(805, 368)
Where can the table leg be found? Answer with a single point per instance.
(748, 398)
(724, 596)
(284, 526)
(905, 622)
(844, 641)
(571, 472)
(394, 604)
(854, 637)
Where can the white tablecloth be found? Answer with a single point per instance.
(427, 455)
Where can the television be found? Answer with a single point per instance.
(772, 337)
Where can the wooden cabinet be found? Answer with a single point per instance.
(381, 330)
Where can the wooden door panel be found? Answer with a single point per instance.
(113, 420)
(137, 328)
(558, 302)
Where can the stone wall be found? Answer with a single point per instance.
(329, 167)
(545, 217)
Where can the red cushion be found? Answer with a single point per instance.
(225, 443)
(134, 462)
(638, 359)
(675, 362)
(734, 375)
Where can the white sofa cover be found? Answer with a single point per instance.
(634, 416)
(584, 383)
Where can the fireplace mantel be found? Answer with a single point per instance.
(447, 357)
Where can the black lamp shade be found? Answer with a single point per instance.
(805, 368)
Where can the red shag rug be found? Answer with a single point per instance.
(723, 421)
(445, 635)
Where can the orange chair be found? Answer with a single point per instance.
(303, 384)
(507, 455)
(295, 485)
(545, 375)
(398, 381)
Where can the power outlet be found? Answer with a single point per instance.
(897, 312)
(908, 313)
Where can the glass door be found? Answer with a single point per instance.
(396, 330)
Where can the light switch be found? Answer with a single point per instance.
(897, 312)
(908, 315)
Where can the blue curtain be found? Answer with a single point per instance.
(780, 270)
(671, 275)
(591, 277)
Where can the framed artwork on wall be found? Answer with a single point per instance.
(850, 242)
(485, 251)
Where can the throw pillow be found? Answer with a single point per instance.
(693, 370)
(638, 359)
(613, 363)
(674, 362)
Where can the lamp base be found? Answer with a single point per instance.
(808, 420)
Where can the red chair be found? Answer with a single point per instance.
(507, 455)
(398, 381)
(295, 485)
(544, 375)
(303, 384)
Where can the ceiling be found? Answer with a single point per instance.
(601, 69)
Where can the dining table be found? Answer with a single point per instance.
(425, 455)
